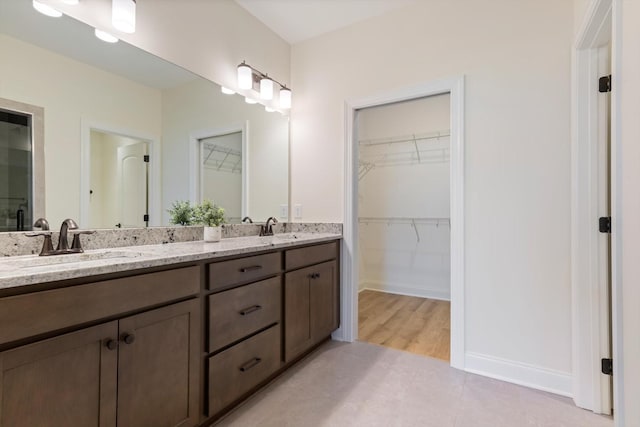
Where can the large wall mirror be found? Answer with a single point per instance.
(125, 133)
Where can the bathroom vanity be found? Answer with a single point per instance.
(160, 335)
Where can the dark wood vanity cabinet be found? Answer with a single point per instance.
(311, 299)
(135, 351)
(138, 370)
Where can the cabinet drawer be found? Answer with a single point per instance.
(239, 312)
(243, 270)
(27, 315)
(296, 258)
(236, 371)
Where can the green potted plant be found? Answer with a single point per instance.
(211, 217)
(181, 213)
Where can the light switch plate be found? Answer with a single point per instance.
(284, 211)
(298, 211)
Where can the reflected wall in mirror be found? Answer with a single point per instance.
(118, 181)
(85, 85)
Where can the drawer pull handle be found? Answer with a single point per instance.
(251, 268)
(250, 310)
(250, 364)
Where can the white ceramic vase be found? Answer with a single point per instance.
(212, 234)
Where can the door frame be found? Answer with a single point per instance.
(195, 180)
(589, 321)
(154, 194)
(454, 86)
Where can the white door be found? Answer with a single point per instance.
(604, 210)
(132, 185)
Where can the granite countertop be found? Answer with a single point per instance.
(26, 270)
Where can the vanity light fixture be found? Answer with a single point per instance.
(227, 91)
(123, 15)
(285, 97)
(266, 88)
(71, 2)
(250, 101)
(250, 78)
(245, 76)
(105, 37)
(46, 9)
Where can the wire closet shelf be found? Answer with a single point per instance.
(412, 221)
(415, 149)
(221, 158)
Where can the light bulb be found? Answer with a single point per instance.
(268, 109)
(266, 88)
(250, 101)
(227, 91)
(285, 98)
(123, 15)
(105, 37)
(70, 2)
(245, 76)
(46, 9)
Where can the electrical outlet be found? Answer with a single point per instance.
(284, 211)
(298, 212)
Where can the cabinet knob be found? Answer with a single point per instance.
(128, 338)
(314, 275)
(111, 344)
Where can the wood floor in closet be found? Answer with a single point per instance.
(413, 324)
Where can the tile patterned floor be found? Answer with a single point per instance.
(362, 384)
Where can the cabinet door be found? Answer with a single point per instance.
(158, 367)
(297, 326)
(65, 381)
(324, 300)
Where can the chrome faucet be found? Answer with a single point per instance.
(63, 243)
(267, 229)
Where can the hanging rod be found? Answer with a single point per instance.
(405, 138)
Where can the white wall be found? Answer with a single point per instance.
(70, 92)
(517, 165)
(199, 106)
(391, 256)
(626, 86)
(207, 37)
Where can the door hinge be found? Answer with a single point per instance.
(607, 366)
(604, 224)
(604, 84)
(146, 218)
(146, 158)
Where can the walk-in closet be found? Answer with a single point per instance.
(404, 225)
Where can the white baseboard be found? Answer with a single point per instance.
(524, 374)
(413, 291)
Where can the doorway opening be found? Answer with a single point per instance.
(454, 87)
(221, 173)
(119, 181)
(404, 225)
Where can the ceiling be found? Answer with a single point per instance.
(299, 20)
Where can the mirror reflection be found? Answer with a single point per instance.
(126, 134)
